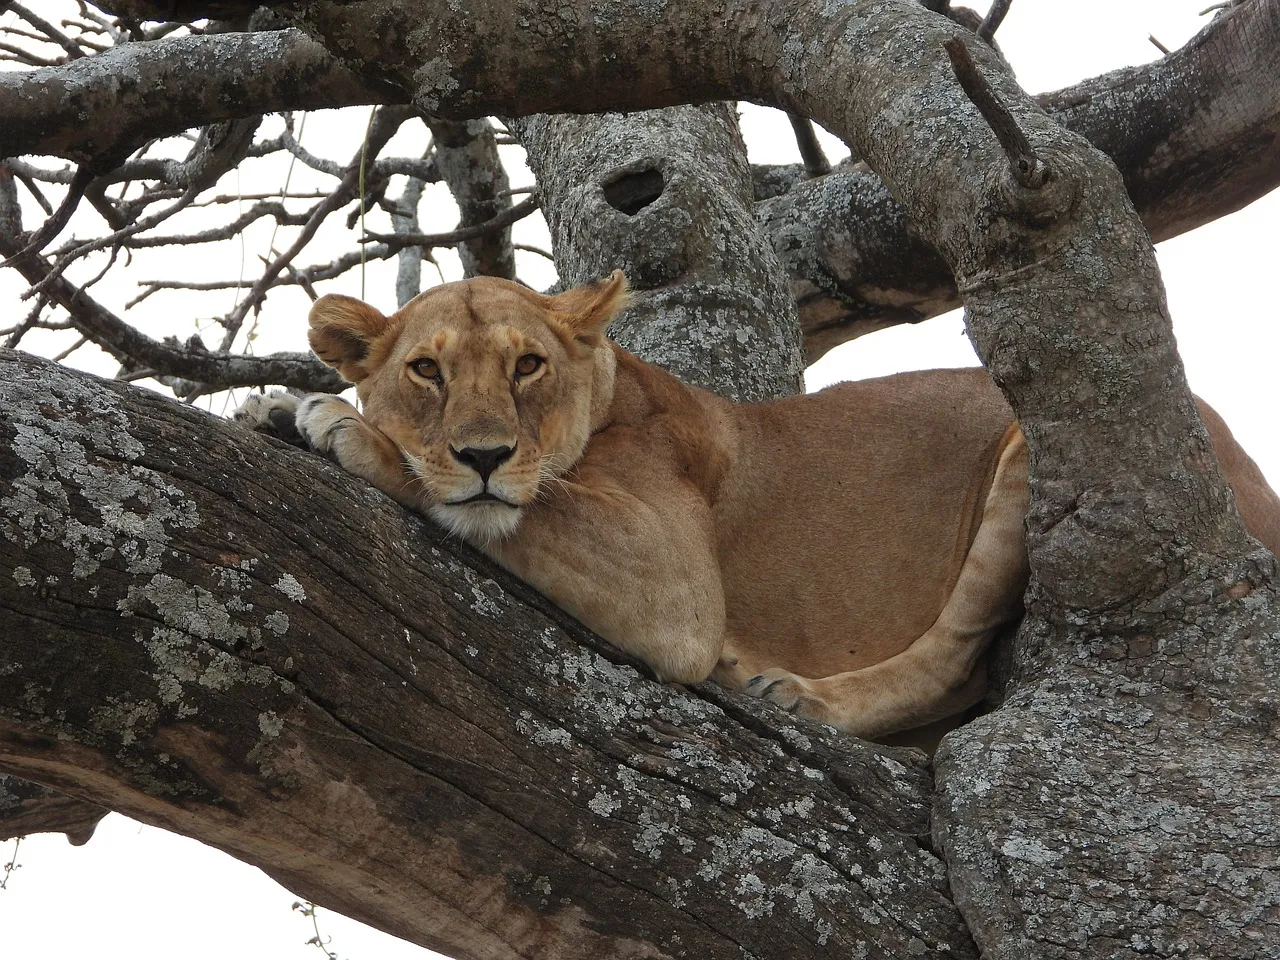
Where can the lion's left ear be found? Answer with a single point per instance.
(587, 311)
(342, 331)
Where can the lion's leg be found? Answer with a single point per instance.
(641, 574)
(936, 676)
(333, 427)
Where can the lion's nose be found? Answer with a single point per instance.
(483, 460)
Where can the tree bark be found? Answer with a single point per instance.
(1140, 720)
(1195, 136)
(666, 196)
(467, 155)
(224, 636)
(27, 807)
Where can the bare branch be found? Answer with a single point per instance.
(395, 242)
(53, 226)
(409, 263)
(48, 29)
(815, 161)
(386, 122)
(133, 348)
(991, 22)
(1027, 169)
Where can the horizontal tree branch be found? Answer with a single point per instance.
(290, 667)
(96, 110)
(393, 243)
(27, 807)
(1195, 135)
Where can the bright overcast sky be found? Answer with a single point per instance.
(137, 892)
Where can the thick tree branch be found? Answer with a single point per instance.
(1195, 135)
(395, 729)
(1136, 553)
(96, 110)
(27, 807)
(666, 196)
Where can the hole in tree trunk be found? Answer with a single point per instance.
(632, 192)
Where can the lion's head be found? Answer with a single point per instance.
(489, 389)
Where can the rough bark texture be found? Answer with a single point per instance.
(1194, 134)
(95, 110)
(467, 155)
(666, 196)
(27, 807)
(1145, 673)
(225, 636)
(1123, 802)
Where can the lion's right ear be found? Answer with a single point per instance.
(587, 311)
(342, 332)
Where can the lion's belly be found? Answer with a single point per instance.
(840, 543)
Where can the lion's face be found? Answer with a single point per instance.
(488, 388)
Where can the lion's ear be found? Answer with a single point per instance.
(586, 311)
(342, 330)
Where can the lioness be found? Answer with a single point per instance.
(847, 555)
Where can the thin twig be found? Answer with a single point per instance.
(12, 865)
(53, 226)
(1157, 44)
(991, 22)
(509, 216)
(71, 349)
(1026, 167)
(527, 248)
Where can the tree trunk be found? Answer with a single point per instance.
(543, 800)
(226, 637)
(666, 196)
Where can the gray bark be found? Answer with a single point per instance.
(467, 155)
(230, 638)
(666, 196)
(1194, 134)
(1144, 674)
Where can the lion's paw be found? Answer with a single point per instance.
(273, 414)
(321, 418)
(792, 693)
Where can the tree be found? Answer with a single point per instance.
(303, 675)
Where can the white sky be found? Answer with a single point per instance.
(138, 892)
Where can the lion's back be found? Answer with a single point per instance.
(847, 514)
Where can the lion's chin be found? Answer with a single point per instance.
(480, 523)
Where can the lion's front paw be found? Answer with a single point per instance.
(273, 414)
(321, 419)
(792, 693)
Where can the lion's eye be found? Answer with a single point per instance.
(528, 364)
(428, 369)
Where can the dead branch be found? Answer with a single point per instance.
(1025, 166)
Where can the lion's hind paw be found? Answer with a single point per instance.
(792, 693)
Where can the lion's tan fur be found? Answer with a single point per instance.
(846, 554)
